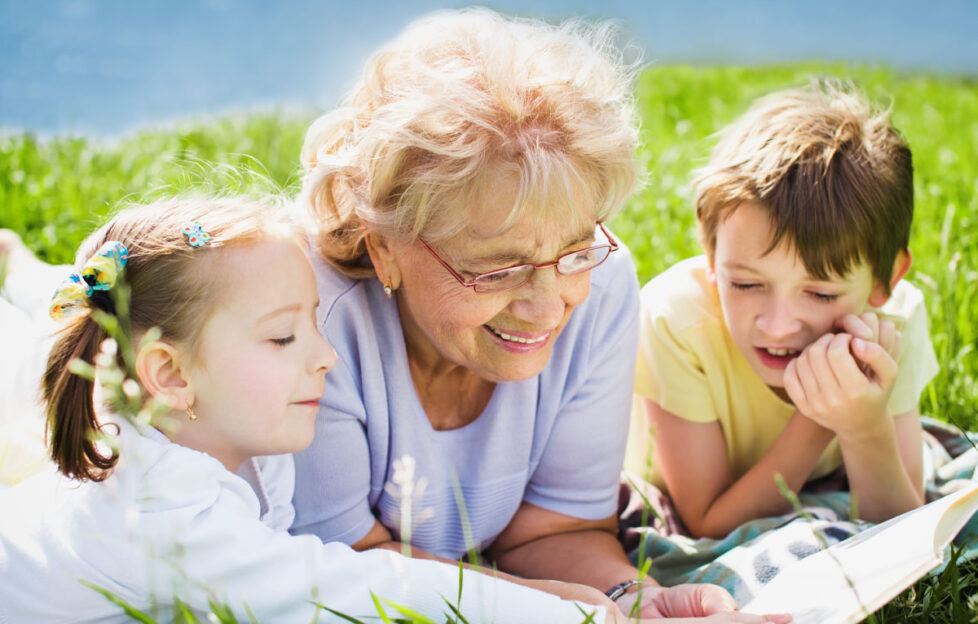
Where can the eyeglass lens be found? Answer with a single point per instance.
(570, 264)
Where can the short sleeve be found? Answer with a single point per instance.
(674, 337)
(578, 471)
(917, 362)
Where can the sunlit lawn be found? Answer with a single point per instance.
(53, 192)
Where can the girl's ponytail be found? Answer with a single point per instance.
(72, 424)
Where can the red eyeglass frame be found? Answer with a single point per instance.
(612, 244)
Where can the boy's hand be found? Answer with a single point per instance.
(869, 326)
(843, 383)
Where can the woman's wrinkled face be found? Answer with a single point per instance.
(506, 336)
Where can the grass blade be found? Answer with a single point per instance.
(342, 616)
(129, 610)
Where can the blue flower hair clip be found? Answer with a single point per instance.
(196, 236)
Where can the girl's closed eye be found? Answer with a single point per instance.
(284, 341)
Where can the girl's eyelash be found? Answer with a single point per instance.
(283, 341)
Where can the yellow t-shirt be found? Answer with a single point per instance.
(689, 365)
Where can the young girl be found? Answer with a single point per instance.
(185, 510)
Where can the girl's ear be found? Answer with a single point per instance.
(158, 367)
(901, 265)
(382, 256)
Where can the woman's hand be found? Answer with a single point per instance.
(692, 602)
(679, 601)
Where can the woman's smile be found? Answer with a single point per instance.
(519, 342)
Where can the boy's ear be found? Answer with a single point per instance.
(711, 274)
(158, 367)
(901, 265)
(382, 256)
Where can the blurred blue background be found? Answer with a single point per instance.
(103, 67)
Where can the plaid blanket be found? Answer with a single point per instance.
(751, 555)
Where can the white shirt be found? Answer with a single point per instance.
(173, 522)
(23, 355)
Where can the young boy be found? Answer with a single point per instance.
(793, 345)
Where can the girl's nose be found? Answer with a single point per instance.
(324, 356)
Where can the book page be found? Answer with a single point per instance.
(851, 579)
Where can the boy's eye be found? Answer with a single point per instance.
(824, 297)
(743, 285)
(283, 341)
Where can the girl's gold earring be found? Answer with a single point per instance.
(388, 289)
(190, 414)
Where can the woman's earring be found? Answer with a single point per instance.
(388, 289)
(190, 414)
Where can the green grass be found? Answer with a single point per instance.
(55, 191)
(682, 107)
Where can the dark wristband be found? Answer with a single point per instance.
(619, 590)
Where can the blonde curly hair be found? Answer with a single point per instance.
(461, 100)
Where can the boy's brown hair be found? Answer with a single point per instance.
(833, 174)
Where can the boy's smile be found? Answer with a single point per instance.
(772, 307)
(776, 358)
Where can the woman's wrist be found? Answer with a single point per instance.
(619, 590)
(628, 593)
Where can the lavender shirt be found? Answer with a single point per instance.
(555, 440)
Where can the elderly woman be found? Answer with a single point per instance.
(484, 316)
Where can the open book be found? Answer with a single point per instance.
(848, 581)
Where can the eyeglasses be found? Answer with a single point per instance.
(512, 277)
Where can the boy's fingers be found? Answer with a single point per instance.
(873, 322)
(793, 386)
(851, 373)
(889, 337)
(809, 384)
(855, 326)
(882, 365)
(822, 366)
(838, 356)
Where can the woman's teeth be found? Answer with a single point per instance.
(518, 339)
(781, 352)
